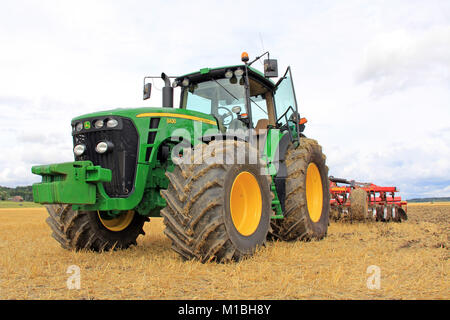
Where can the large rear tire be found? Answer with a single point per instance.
(217, 212)
(78, 230)
(307, 203)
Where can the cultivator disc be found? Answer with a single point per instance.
(358, 201)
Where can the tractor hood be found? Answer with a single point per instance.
(137, 113)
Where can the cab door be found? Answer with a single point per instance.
(286, 109)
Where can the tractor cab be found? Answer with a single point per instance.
(223, 93)
(240, 98)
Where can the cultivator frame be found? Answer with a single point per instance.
(381, 203)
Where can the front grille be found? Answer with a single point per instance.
(122, 160)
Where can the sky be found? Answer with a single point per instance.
(371, 77)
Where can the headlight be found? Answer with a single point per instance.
(228, 74)
(98, 124)
(79, 126)
(239, 72)
(185, 82)
(79, 149)
(103, 147)
(112, 123)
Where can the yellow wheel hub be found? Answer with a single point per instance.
(314, 192)
(245, 203)
(117, 224)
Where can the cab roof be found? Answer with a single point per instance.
(208, 73)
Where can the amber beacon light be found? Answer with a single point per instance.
(244, 57)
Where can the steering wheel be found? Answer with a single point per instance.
(226, 115)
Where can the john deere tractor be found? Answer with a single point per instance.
(227, 169)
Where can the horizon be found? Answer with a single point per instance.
(411, 199)
(372, 78)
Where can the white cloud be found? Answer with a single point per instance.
(400, 59)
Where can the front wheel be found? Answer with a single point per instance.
(90, 230)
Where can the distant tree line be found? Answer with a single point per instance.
(25, 192)
(437, 199)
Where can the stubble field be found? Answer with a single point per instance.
(412, 257)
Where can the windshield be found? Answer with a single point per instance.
(218, 96)
(215, 97)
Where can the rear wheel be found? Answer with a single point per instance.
(90, 230)
(307, 203)
(217, 212)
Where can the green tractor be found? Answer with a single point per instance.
(227, 170)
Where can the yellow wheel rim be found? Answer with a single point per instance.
(314, 192)
(245, 203)
(119, 223)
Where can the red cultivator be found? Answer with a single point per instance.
(353, 200)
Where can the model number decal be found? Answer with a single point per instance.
(172, 121)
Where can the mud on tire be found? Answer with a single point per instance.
(78, 230)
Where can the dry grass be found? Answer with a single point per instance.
(427, 204)
(413, 257)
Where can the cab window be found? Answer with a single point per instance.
(261, 100)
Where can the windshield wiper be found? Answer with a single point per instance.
(225, 89)
(258, 106)
(237, 98)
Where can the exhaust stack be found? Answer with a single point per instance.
(167, 92)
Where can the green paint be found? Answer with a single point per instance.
(145, 198)
(276, 205)
(270, 150)
(70, 182)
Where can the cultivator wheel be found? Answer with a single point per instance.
(380, 213)
(394, 213)
(402, 214)
(307, 203)
(388, 213)
(89, 230)
(372, 214)
(358, 205)
(217, 212)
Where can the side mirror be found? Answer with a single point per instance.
(147, 90)
(270, 68)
